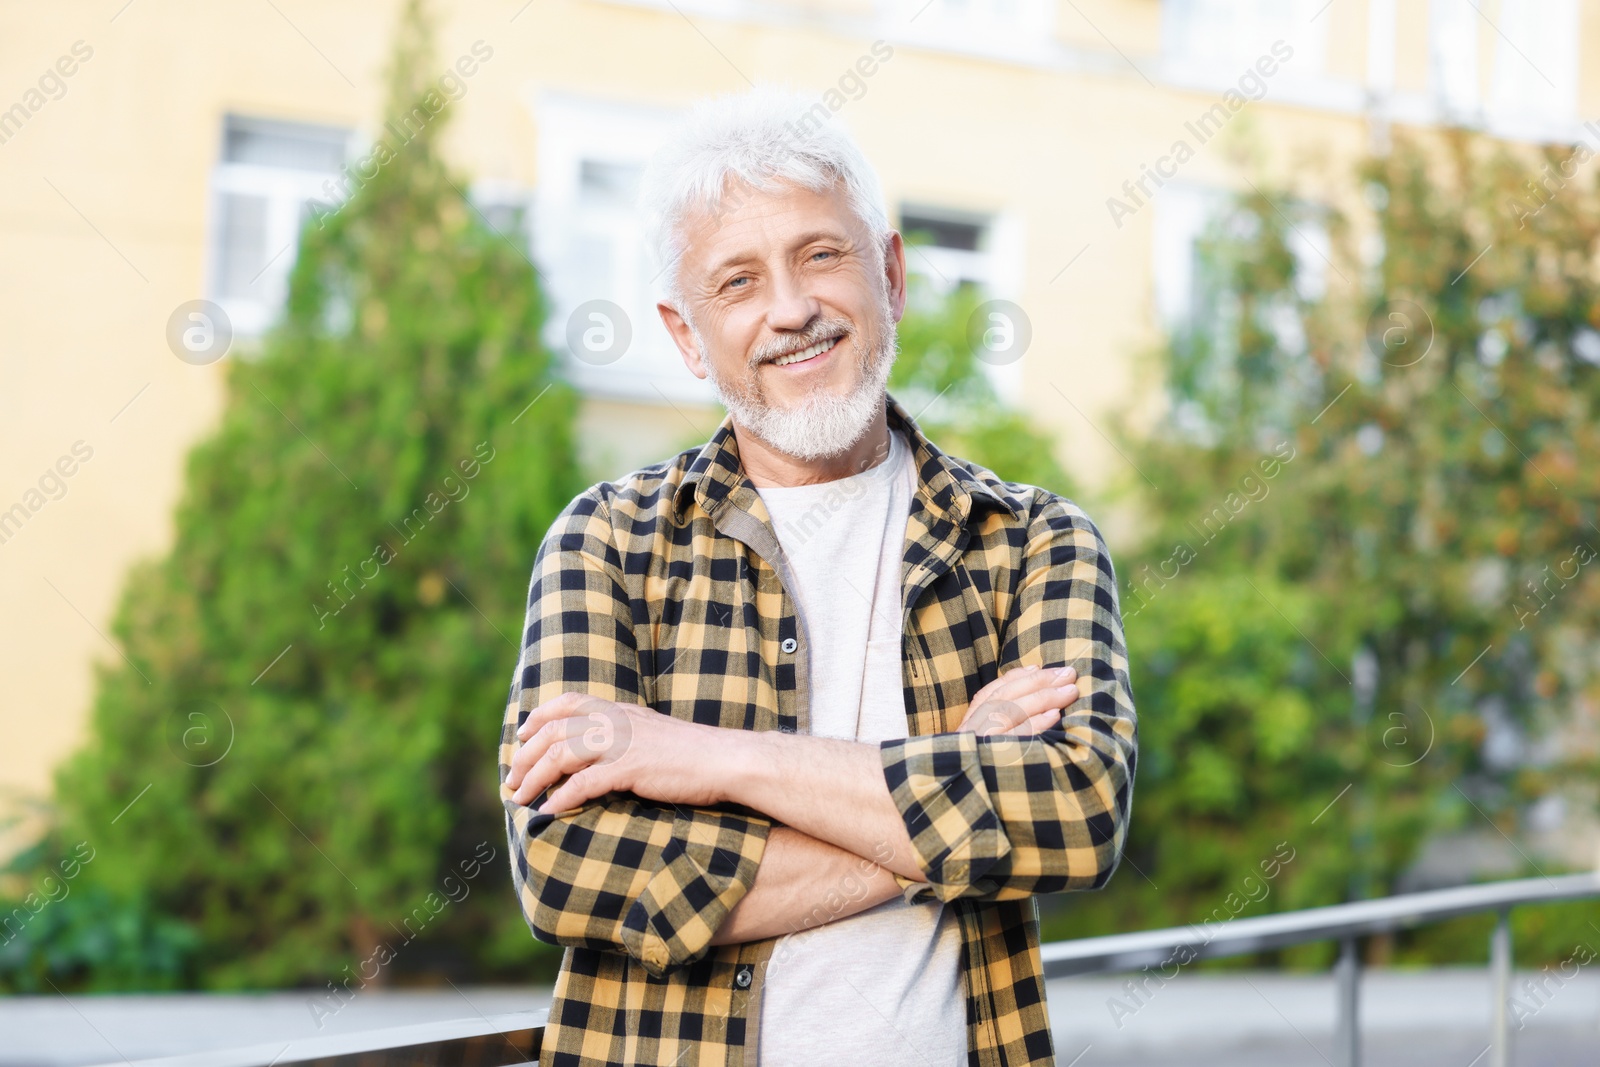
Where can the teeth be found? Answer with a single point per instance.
(805, 353)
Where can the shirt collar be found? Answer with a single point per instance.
(945, 484)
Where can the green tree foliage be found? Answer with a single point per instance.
(289, 772)
(1407, 606)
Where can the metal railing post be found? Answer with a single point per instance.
(1500, 989)
(1347, 1023)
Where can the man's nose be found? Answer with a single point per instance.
(792, 308)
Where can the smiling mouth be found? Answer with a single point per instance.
(807, 353)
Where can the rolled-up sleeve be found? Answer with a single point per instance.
(999, 817)
(655, 881)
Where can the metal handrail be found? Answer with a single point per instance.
(508, 1040)
(1236, 937)
(514, 1039)
(1337, 922)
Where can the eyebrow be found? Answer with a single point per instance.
(800, 242)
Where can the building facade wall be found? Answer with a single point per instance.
(1034, 118)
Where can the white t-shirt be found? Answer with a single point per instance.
(883, 987)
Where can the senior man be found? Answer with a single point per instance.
(805, 717)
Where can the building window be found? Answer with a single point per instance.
(1198, 234)
(948, 248)
(507, 209)
(1453, 58)
(1187, 214)
(261, 192)
(1009, 28)
(1182, 214)
(589, 244)
(1536, 65)
(1222, 37)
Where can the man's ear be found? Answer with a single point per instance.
(894, 270)
(683, 336)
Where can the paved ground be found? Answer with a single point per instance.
(1421, 1019)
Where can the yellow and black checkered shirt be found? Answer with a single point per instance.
(667, 589)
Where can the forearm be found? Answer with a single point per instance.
(801, 883)
(827, 789)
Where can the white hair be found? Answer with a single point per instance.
(763, 136)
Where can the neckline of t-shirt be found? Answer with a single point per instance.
(899, 448)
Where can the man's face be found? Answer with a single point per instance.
(791, 315)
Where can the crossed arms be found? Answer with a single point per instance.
(828, 796)
(638, 832)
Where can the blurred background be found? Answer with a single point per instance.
(316, 314)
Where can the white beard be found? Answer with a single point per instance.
(822, 424)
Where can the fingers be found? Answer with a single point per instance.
(567, 736)
(1038, 723)
(993, 717)
(545, 773)
(576, 791)
(532, 749)
(1019, 682)
(987, 693)
(1019, 696)
(1057, 697)
(1028, 716)
(1033, 724)
(1014, 680)
(1026, 680)
(556, 708)
(545, 757)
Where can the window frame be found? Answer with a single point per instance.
(288, 191)
(995, 268)
(573, 128)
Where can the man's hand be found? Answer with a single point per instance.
(1022, 701)
(607, 747)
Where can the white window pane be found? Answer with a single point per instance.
(1453, 52)
(242, 243)
(1182, 212)
(589, 271)
(614, 183)
(989, 26)
(1228, 34)
(1536, 59)
(294, 146)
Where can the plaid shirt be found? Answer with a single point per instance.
(668, 589)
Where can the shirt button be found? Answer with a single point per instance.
(789, 644)
(742, 979)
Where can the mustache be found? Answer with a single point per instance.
(820, 331)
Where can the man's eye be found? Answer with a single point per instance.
(814, 255)
(737, 280)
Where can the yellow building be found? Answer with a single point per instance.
(1062, 153)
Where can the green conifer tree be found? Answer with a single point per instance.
(288, 774)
